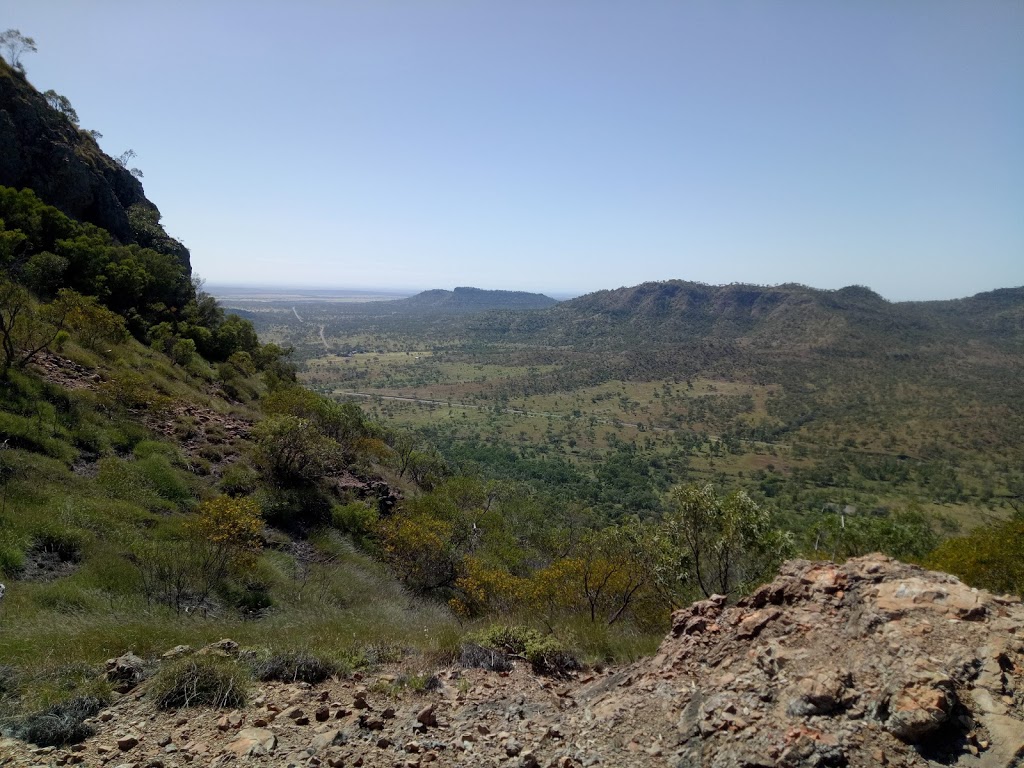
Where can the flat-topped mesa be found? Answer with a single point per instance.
(860, 664)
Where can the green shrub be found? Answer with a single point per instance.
(239, 479)
(157, 472)
(12, 560)
(26, 432)
(546, 654)
(356, 519)
(200, 681)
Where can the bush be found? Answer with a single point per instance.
(239, 479)
(477, 657)
(547, 656)
(295, 666)
(200, 681)
(59, 724)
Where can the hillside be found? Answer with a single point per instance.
(785, 317)
(464, 300)
(866, 664)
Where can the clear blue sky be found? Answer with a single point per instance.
(562, 145)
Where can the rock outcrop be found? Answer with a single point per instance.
(41, 149)
(869, 663)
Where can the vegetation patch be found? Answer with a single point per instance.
(59, 724)
(545, 653)
(200, 681)
(295, 666)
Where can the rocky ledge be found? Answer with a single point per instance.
(868, 663)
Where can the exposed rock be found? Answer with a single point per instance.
(869, 663)
(125, 671)
(253, 741)
(41, 149)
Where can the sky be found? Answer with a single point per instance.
(562, 146)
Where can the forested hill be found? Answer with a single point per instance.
(472, 300)
(785, 317)
(43, 148)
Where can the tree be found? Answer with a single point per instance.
(293, 451)
(990, 557)
(62, 104)
(15, 45)
(126, 157)
(27, 329)
(726, 545)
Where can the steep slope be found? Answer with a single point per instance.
(43, 150)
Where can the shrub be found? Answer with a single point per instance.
(59, 724)
(239, 479)
(477, 657)
(198, 681)
(295, 666)
(547, 656)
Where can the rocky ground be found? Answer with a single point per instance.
(870, 663)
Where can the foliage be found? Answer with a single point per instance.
(199, 681)
(547, 656)
(293, 450)
(26, 329)
(15, 45)
(221, 538)
(725, 545)
(62, 104)
(295, 666)
(991, 557)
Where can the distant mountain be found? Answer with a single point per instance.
(789, 316)
(467, 300)
(43, 149)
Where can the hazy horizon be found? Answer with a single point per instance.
(402, 291)
(563, 146)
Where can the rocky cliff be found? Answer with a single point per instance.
(869, 663)
(43, 150)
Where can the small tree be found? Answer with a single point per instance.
(14, 45)
(726, 545)
(26, 329)
(61, 104)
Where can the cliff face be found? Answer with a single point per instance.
(40, 148)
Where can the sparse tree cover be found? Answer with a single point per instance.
(14, 45)
(584, 470)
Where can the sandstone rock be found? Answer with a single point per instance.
(253, 742)
(917, 708)
(128, 741)
(331, 738)
(176, 651)
(125, 671)
(427, 717)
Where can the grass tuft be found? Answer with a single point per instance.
(200, 681)
(295, 666)
(59, 724)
